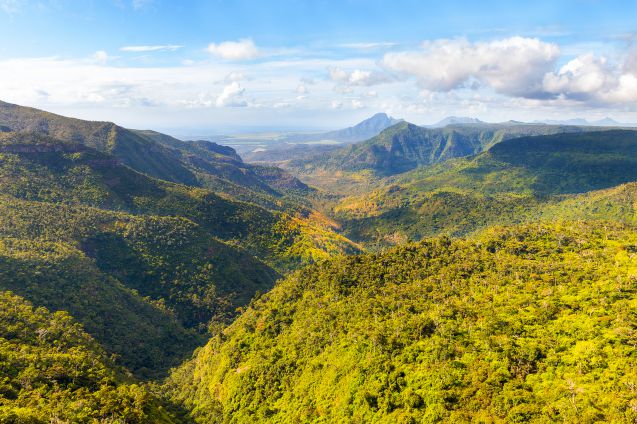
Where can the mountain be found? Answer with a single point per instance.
(526, 324)
(131, 149)
(139, 334)
(516, 180)
(605, 122)
(405, 146)
(52, 371)
(361, 131)
(194, 163)
(40, 168)
(454, 120)
(162, 262)
(295, 146)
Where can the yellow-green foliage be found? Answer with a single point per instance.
(141, 335)
(529, 324)
(39, 168)
(52, 371)
(515, 181)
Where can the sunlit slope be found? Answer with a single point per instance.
(54, 372)
(533, 324)
(514, 181)
(36, 167)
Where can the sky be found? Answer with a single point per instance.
(216, 66)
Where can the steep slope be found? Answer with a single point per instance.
(129, 148)
(305, 146)
(194, 163)
(220, 168)
(171, 260)
(531, 324)
(514, 181)
(54, 372)
(37, 167)
(405, 146)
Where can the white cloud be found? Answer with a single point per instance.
(357, 104)
(243, 49)
(100, 56)
(156, 48)
(232, 95)
(592, 78)
(337, 104)
(513, 66)
(357, 77)
(581, 77)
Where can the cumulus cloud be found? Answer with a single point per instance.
(145, 49)
(580, 78)
(592, 78)
(243, 49)
(357, 77)
(513, 66)
(232, 95)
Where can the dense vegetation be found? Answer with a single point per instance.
(36, 167)
(515, 181)
(122, 251)
(535, 323)
(145, 265)
(141, 335)
(406, 146)
(53, 372)
(194, 163)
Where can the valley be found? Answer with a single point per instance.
(425, 274)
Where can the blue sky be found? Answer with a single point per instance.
(219, 66)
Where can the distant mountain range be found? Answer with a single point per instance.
(606, 122)
(359, 132)
(295, 146)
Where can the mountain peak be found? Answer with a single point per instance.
(378, 121)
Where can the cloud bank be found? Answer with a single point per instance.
(512, 66)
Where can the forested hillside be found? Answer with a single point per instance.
(406, 146)
(52, 371)
(514, 181)
(528, 324)
(194, 163)
(37, 167)
(117, 263)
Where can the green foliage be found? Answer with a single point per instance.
(52, 371)
(35, 167)
(141, 335)
(406, 146)
(515, 181)
(530, 324)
